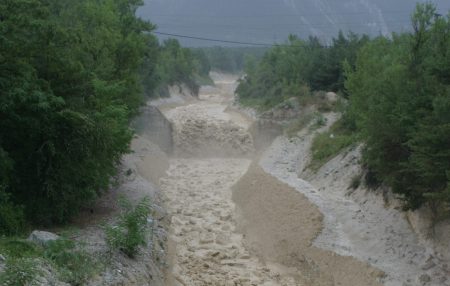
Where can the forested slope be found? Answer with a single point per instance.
(396, 99)
(72, 74)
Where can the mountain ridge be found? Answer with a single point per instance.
(271, 21)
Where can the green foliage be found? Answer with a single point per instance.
(175, 65)
(355, 182)
(70, 79)
(12, 216)
(131, 229)
(328, 144)
(230, 59)
(318, 121)
(290, 70)
(14, 248)
(20, 272)
(202, 64)
(203, 80)
(74, 266)
(398, 92)
(298, 124)
(24, 259)
(400, 100)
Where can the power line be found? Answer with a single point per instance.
(214, 40)
(231, 42)
(322, 24)
(291, 27)
(406, 13)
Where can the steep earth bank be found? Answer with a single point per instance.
(139, 173)
(368, 225)
(280, 224)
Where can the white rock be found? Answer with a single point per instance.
(42, 237)
(331, 96)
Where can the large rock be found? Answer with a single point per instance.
(42, 238)
(2, 263)
(332, 97)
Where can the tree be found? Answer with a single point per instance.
(69, 83)
(399, 99)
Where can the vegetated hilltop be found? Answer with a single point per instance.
(268, 21)
(395, 95)
(73, 74)
(229, 59)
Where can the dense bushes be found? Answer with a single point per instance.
(69, 82)
(290, 70)
(27, 262)
(328, 144)
(230, 59)
(174, 65)
(400, 101)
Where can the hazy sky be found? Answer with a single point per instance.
(269, 21)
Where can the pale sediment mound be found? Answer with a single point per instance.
(280, 224)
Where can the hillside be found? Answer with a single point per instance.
(268, 21)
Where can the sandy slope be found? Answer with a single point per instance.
(356, 223)
(280, 224)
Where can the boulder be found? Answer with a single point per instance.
(42, 238)
(2, 263)
(332, 97)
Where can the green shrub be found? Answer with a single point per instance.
(356, 182)
(12, 218)
(74, 266)
(15, 248)
(203, 80)
(319, 121)
(131, 229)
(294, 127)
(20, 272)
(371, 179)
(327, 145)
